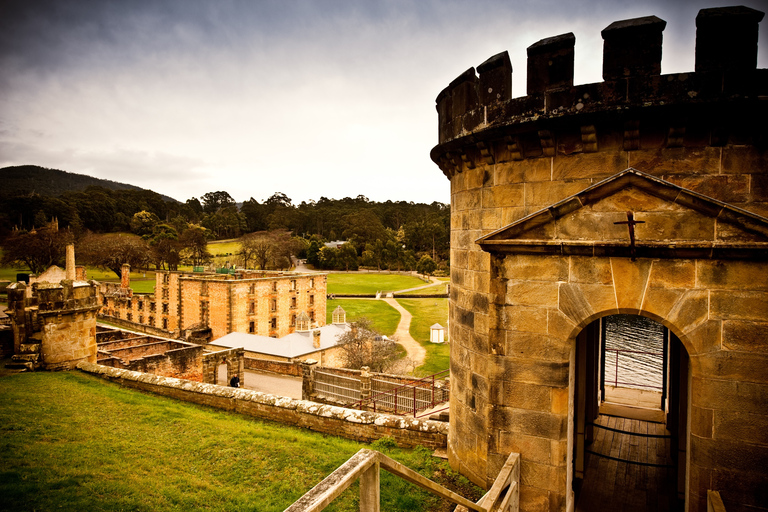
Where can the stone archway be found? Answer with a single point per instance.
(233, 358)
(663, 290)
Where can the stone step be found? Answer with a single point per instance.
(29, 348)
(23, 366)
(25, 358)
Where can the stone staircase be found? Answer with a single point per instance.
(28, 358)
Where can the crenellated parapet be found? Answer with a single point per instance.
(480, 122)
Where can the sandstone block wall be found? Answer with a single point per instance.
(516, 307)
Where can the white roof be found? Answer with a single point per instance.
(437, 326)
(296, 344)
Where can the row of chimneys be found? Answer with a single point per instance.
(726, 40)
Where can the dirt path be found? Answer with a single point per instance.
(416, 353)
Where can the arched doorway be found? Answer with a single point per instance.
(630, 428)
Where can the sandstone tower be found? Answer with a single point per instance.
(54, 324)
(542, 189)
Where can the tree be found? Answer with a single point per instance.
(144, 222)
(426, 266)
(362, 346)
(165, 245)
(111, 251)
(37, 249)
(347, 257)
(268, 249)
(215, 201)
(194, 243)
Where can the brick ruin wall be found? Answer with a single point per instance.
(359, 426)
(225, 303)
(507, 158)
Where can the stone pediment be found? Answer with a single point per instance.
(672, 222)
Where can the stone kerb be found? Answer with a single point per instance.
(362, 426)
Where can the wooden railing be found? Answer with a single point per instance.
(366, 464)
(714, 502)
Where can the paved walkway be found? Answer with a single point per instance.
(280, 385)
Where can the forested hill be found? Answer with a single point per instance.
(33, 179)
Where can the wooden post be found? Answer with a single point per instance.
(369, 489)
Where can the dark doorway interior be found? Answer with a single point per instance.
(629, 417)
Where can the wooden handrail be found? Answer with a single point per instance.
(714, 502)
(504, 495)
(317, 498)
(365, 464)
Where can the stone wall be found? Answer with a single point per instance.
(356, 425)
(535, 256)
(279, 367)
(58, 319)
(162, 357)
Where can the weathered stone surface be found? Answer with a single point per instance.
(739, 305)
(746, 336)
(680, 131)
(590, 270)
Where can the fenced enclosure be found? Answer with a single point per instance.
(411, 398)
(380, 392)
(339, 388)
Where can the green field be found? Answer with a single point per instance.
(427, 312)
(369, 283)
(223, 247)
(123, 450)
(384, 317)
(437, 289)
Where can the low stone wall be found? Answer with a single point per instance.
(137, 327)
(279, 367)
(362, 426)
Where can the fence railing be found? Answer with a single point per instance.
(616, 381)
(366, 464)
(410, 398)
(338, 387)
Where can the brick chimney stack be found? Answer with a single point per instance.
(316, 338)
(70, 265)
(125, 276)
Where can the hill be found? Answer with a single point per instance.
(28, 179)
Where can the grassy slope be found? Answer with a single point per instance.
(427, 312)
(122, 450)
(384, 317)
(370, 283)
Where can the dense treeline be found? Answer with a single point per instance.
(395, 235)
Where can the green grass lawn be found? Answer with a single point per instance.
(427, 312)
(370, 283)
(75, 442)
(384, 317)
(223, 247)
(438, 289)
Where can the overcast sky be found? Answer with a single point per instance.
(315, 98)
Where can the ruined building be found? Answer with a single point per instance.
(644, 194)
(266, 303)
(54, 324)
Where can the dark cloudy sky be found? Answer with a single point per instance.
(329, 98)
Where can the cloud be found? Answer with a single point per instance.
(332, 98)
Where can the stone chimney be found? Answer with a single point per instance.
(125, 276)
(80, 273)
(70, 266)
(316, 338)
